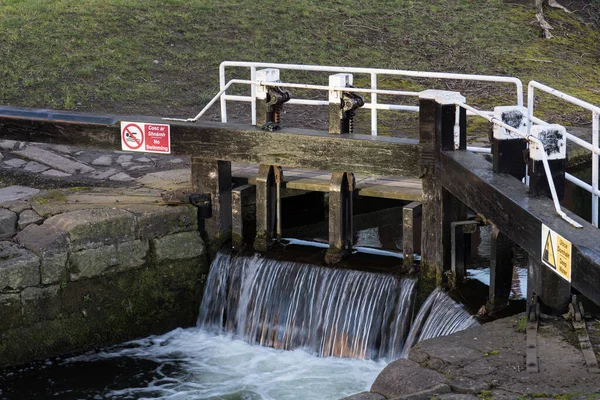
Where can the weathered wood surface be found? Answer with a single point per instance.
(504, 201)
(297, 148)
(319, 181)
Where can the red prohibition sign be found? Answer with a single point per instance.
(128, 136)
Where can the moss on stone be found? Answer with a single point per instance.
(111, 309)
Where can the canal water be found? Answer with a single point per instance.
(267, 330)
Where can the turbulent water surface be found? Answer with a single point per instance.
(266, 330)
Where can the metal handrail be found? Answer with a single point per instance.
(373, 72)
(530, 139)
(593, 147)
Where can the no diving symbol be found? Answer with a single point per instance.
(133, 136)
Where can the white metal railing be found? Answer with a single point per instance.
(536, 141)
(593, 147)
(373, 72)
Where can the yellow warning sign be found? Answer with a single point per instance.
(556, 252)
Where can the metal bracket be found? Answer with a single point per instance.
(203, 202)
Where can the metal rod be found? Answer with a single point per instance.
(595, 163)
(416, 74)
(374, 103)
(278, 186)
(531, 139)
(222, 90)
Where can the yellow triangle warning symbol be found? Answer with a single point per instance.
(549, 252)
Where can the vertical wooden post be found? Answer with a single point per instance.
(501, 271)
(411, 233)
(553, 292)
(267, 203)
(214, 177)
(459, 230)
(240, 196)
(437, 117)
(508, 148)
(341, 237)
(554, 139)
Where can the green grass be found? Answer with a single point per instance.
(162, 56)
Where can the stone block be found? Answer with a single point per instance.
(92, 262)
(8, 223)
(29, 217)
(17, 206)
(105, 161)
(40, 303)
(132, 254)
(19, 268)
(93, 228)
(403, 378)
(8, 144)
(51, 246)
(10, 310)
(162, 220)
(55, 173)
(179, 246)
(100, 260)
(121, 177)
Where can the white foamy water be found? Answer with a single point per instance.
(194, 364)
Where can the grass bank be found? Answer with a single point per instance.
(162, 56)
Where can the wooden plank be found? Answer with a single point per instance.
(296, 148)
(504, 201)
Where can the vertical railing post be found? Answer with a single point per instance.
(374, 105)
(214, 177)
(437, 117)
(508, 149)
(554, 139)
(595, 165)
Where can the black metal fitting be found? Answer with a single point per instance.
(203, 203)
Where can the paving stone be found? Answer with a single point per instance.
(124, 158)
(54, 160)
(105, 161)
(127, 165)
(16, 192)
(176, 161)
(16, 206)
(96, 227)
(1, 156)
(55, 173)
(103, 174)
(15, 162)
(404, 377)
(144, 160)
(160, 221)
(121, 177)
(29, 217)
(51, 246)
(8, 144)
(19, 268)
(179, 246)
(167, 180)
(40, 303)
(138, 167)
(468, 386)
(456, 396)
(63, 148)
(8, 223)
(35, 167)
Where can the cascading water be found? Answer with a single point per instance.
(329, 312)
(438, 316)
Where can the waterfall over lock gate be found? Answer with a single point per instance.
(327, 311)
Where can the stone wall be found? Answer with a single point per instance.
(75, 277)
